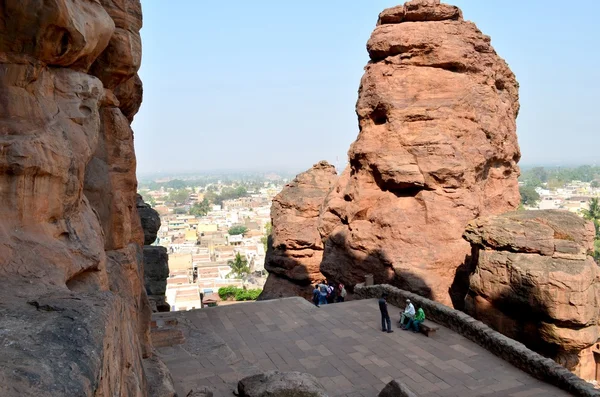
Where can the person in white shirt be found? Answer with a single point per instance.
(408, 314)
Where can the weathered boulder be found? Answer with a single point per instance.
(437, 147)
(281, 384)
(396, 389)
(149, 218)
(295, 250)
(74, 313)
(200, 392)
(534, 282)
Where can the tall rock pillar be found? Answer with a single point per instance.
(437, 148)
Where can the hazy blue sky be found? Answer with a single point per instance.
(271, 84)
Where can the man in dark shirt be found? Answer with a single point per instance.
(316, 295)
(385, 317)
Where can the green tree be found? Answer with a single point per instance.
(211, 196)
(593, 214)
(265, 239)
(175, 184)
(237, 229)
(529, 196)
(556, 183)
(200, 209)
(179, 196)
(596, 253)
(239, 266)
(595, 183)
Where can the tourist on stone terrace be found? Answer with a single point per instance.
(341, 293)
(322, 294)
(386, 323)
(415, 322)
(408, 314)
(316, 296)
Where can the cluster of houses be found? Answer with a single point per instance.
(574, 196)
(200, 247)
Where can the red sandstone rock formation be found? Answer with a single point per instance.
(534, 282)
(73, 310)
(295, 250)
(437, 147)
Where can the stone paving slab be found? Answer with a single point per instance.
(342, 345)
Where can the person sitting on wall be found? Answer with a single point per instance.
(415, 322)
(408, 314)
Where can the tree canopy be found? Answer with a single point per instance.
(593, 214)
(179, 196)
(239, 266)
(237, 229)
(200, 209)
(265, 239)
(558, 176)
(529, 196)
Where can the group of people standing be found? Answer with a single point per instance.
(325, 293)
(409, 318)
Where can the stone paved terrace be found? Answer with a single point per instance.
(341, 345)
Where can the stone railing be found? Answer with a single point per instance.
(508, 349)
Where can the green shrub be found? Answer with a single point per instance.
(228, 292)
(247, 295)
(239, 294)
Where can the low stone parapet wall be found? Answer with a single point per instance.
(508, 349)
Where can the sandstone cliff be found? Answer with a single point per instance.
(295, 248)
(437, 148)
(534, 281)
(73, 309)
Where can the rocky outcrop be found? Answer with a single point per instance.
(156, 272)
(281, 384)
(74, 313)
(150, 220)
(437, 148)
(534, 282)
(295, 250)
(156, 259)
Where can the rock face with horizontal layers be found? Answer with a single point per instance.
(74, 313)
(295, 250)
(534, 282)
(437, 148)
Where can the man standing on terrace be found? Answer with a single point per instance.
(386, 323)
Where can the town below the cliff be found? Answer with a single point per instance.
(215, 229)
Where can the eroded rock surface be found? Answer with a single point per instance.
(296, 249)
(437, 148)
(74, 312)
(534, 282)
